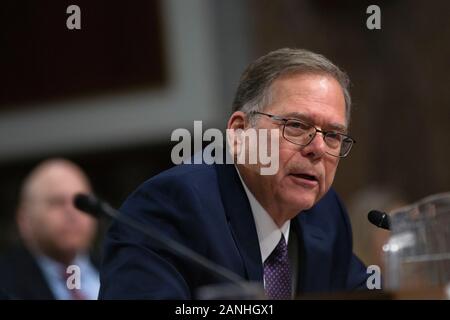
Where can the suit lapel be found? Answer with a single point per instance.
(314, 247)
(314, 254)
(240, 220)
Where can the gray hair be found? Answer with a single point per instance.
(253, 92)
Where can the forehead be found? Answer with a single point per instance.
(317, 97)
(58, 181)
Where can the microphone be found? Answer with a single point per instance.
(380, 219)
(96, 207)
(92, 205)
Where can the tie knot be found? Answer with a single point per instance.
(280, 252)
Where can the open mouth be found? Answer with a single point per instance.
(305, 176)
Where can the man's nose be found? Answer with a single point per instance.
(316, 148)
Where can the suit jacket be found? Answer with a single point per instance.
(205, 208)
(21, 277)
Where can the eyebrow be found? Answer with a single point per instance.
(301, 116)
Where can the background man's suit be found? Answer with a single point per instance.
(21, 277)
(205, 207)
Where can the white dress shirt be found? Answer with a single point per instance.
(269, 233)
(52, 270)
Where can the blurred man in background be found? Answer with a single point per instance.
(55, 236)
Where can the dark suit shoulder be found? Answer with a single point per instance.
(185, 175)
(178, 204)
(184, 188)
(21, 277)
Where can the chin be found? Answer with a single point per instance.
(300, 202)
(73, 245)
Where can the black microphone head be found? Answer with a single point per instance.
(88, 203)
(380, 219)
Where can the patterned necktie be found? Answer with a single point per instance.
(277, 273)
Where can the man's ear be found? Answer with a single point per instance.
(236, 125)
(238, 120)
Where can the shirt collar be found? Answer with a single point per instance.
(269, 233)
(56, 269)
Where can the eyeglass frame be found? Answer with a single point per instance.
(323, 132)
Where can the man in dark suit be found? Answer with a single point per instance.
(55, 236)
(21, 277)
(286, 230)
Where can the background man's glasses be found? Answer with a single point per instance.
(302, 133)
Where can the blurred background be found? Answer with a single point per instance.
(109, 95)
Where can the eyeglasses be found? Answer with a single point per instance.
(302, 133)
